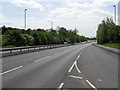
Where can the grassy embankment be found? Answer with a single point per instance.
(113, 45)
(11, 46)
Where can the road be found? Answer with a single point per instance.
(77, 66)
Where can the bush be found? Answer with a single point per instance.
(15, 37)
(28, 40)
(4, 40)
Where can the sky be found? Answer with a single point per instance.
(119, 13)
(84, 15)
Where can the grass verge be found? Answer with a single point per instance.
(113, 45)
(11, 46)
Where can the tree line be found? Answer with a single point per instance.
(29, 37)
(108, 32)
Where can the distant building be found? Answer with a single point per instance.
(119, 13)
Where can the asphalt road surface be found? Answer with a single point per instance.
(77, 66)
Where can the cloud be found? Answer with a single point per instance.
(94, 4)
(29, 4)
(104, 1)
(69, 12)
(84, 16)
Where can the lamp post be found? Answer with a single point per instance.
(115, 19)
(119, 13)
(25, 18)
(114, 13)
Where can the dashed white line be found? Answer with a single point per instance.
(42, 58)
(11, 70)
(76, 77)
(91, 84)
(61, 85)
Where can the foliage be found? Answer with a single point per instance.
(4, 40)
(14, 37)
(28, 40)
(108, 32)
(113, 45)
(20, 37)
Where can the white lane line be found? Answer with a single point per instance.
(76, 77)
(77, 68)
(72, 67)
(42, 58)
(61, 85)
(91, 84)
(11, 70)
(78, 57)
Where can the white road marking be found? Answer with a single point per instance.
(72, 67)
(78, 57)
(91, 84)
(61, 85)
(76, 77)
(99, 80)
(42, 58)
(11, 70)
(75, 63)
(77, 68)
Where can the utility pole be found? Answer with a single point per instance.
(114, 13)
(25, 19)
(119, 13)
(115, 20)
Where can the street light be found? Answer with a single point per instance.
(114, 13)
(25, 18)
(115, 19)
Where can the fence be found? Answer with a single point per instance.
(20, 50)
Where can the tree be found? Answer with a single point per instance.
(106, 32)
(14, 37)
(20, 37)
(28, 40)
(4, 30)
(4, 40)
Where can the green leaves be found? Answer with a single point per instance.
(108, 32)
(21, 37)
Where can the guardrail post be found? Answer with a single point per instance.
(10, 51)
(20, 50)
